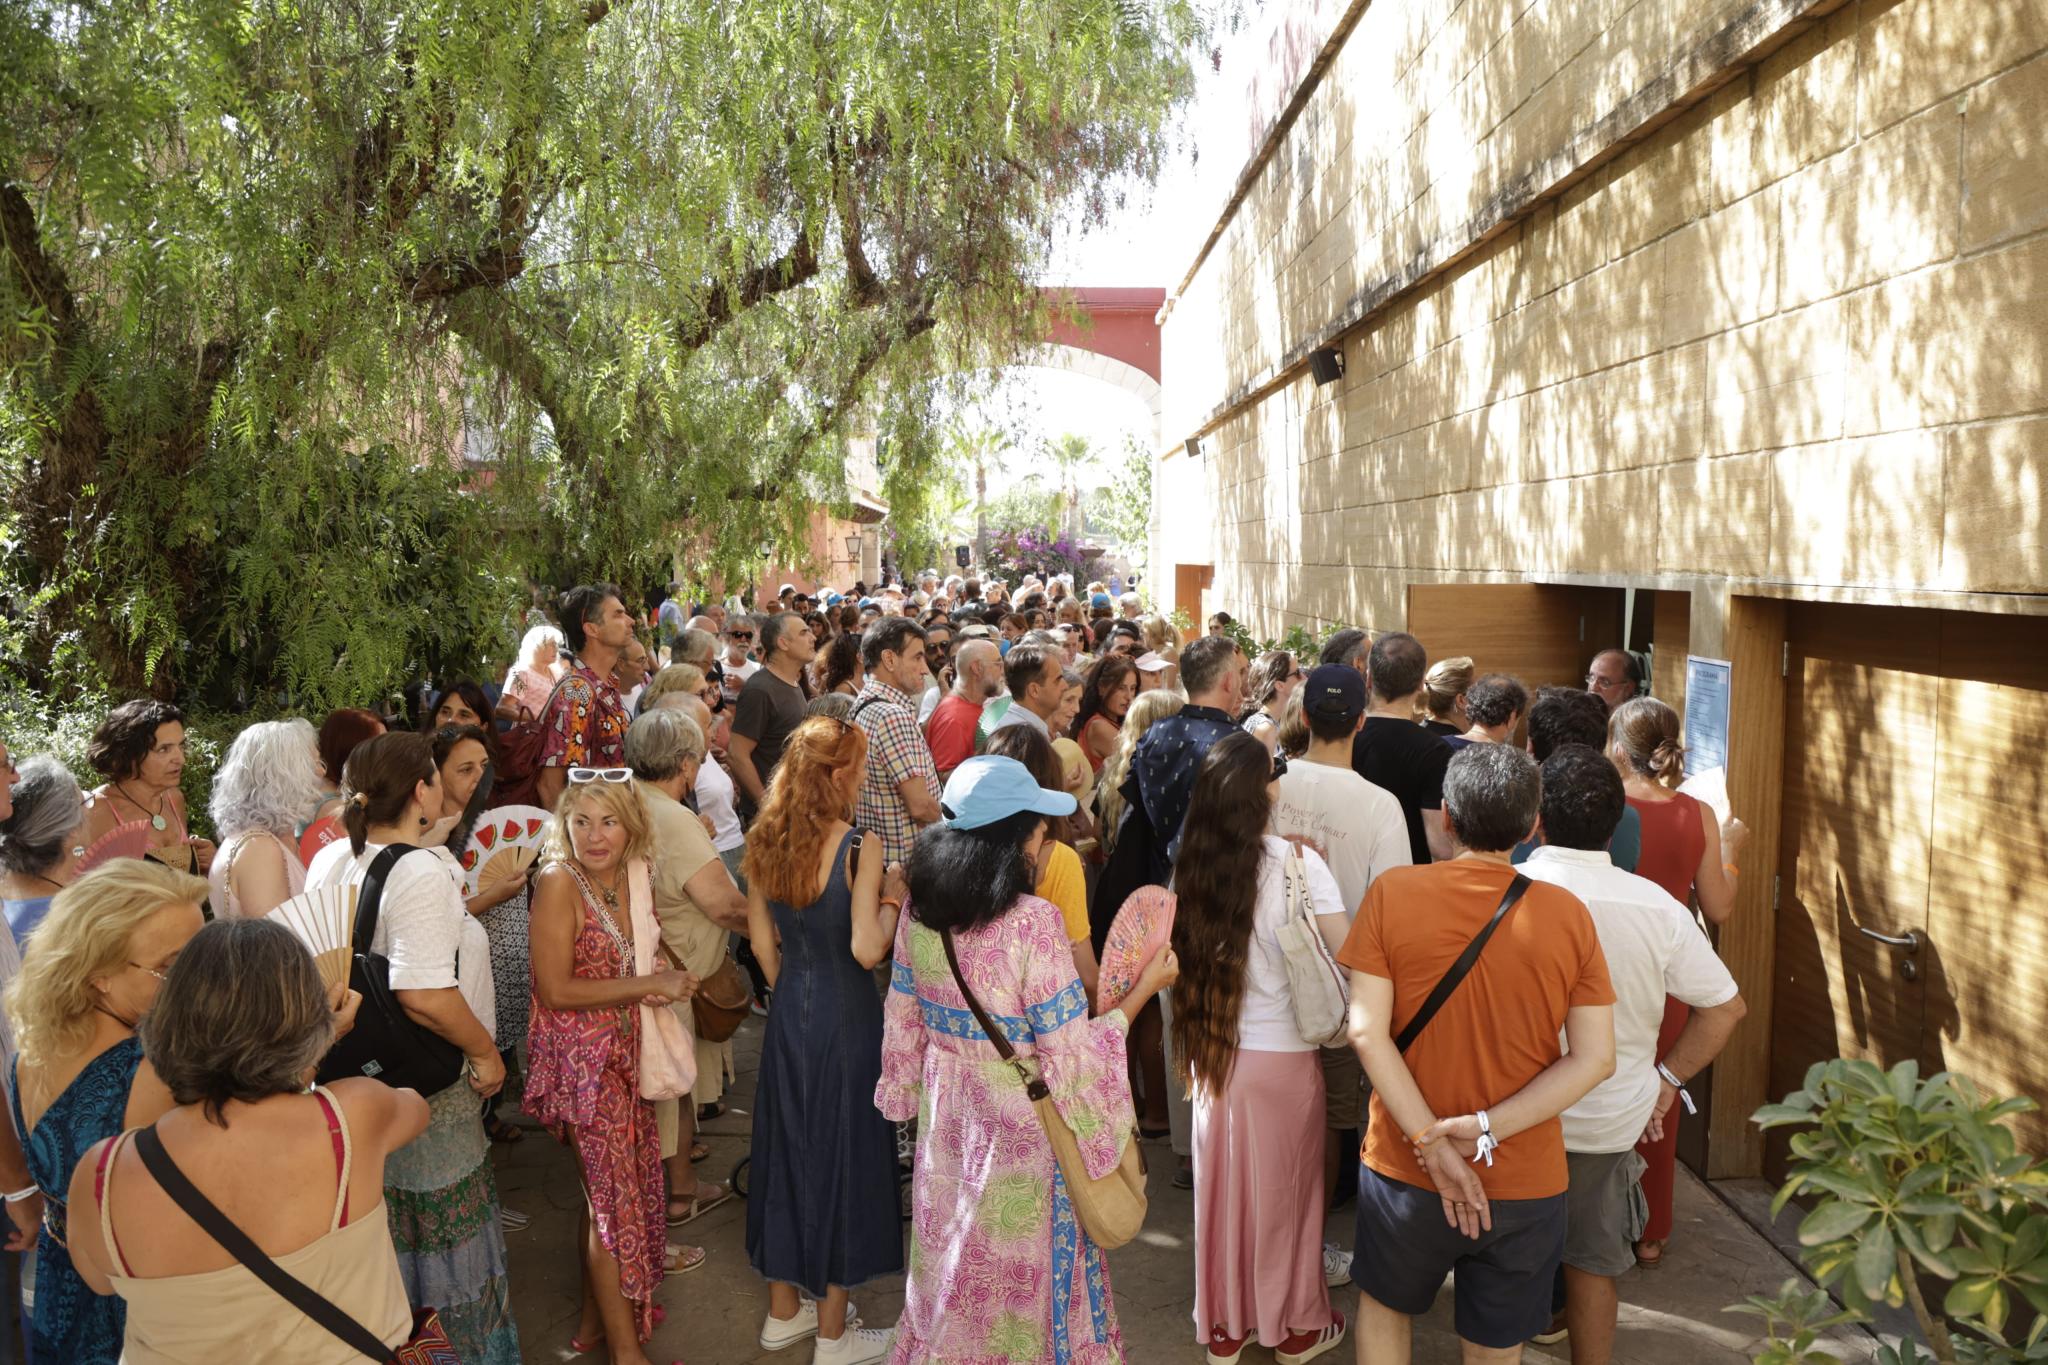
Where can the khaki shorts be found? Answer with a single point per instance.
(1606, 1211)
(1343, 1088)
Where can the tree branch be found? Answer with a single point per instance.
(795, 267)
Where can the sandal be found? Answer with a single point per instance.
(1649, 1255)
(708, 1112)
(699, 1152)
(681, 1260)
(500, 1131)
(698, 1203)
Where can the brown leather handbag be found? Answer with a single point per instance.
(721, 1003)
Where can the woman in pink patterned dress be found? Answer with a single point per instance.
(1000, 1268)
(583, 1076)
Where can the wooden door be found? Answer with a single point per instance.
(1189, 583)
(1914, 808)
(1543, 633)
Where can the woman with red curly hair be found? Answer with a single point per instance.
(824, 1213)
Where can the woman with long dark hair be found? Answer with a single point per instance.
(1002, 1259)
(1273, 678)
(461, 702)
(1256, 1083)
(1061, 878)
(1106, 696)
(838, 668)
(824, 1213)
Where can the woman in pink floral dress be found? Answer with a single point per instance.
(583, 1076)
(1000, 1268)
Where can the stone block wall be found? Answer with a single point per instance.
(1747, 290)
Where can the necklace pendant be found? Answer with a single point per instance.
(158, 822)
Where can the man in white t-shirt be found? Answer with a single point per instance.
(1654, 949)
(735, 662)
(1360, 831)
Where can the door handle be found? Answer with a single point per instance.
(1910, 940)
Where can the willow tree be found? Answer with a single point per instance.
(268, 270)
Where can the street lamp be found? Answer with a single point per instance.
(853, 549)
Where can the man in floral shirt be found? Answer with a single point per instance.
(585, 725)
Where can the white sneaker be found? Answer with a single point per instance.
(1336, 1265)
(858, 1346)
(777, 1333)
(512, 1220)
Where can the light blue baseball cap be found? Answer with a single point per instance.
(989, 788)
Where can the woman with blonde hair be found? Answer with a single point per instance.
(533, 675)
(270, 778)
(1689, 853)
(583, 1065)
(687, 679)
(823, 1213)
(1443, 696)
(92, 971)
(439, 1188)
(1157, 633)
(1147, 710)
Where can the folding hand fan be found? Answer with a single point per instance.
(323, 920)
(122, 841)
(505, 843)
(1143, 926)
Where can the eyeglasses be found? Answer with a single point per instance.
(151, 970)
(579, 776)
(1279, 765)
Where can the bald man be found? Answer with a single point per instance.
(977, 676)
(1613, 677)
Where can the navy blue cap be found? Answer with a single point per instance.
(1334, 690)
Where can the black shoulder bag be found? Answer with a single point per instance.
(1461, 967)
(386, 1043)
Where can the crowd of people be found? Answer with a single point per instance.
(1434, 949)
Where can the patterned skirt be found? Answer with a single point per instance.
(511, 970)
(443, 1203)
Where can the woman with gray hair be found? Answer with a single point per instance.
(39, 846)
(270, 778)
(236, 1032)
(698, 906)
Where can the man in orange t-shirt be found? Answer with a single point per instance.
(1464, 1155)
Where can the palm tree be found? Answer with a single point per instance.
(1068, 454)
(983, 449)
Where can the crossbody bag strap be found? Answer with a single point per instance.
(371, 896)
(1034, 1086)
(236, 1243)
(1461, 967)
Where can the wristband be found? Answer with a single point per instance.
(1421, 1139)
(1488, 1143)
(895, 905)
(1731, 869)
(1673, 1081)
(16, 1196)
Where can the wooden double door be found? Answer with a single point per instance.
(1912, 916)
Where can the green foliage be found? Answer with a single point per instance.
(62, 728)
(1916, 1178)
(269, 274)
(1123, 508)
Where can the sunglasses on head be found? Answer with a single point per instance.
(579, 776)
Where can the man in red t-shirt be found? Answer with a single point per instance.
(1464, 1156)
(977, 676)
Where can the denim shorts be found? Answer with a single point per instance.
(1504, 1277)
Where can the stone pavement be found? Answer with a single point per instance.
(1672, 1316)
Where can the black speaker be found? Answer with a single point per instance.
(1327, 365)
(962, 556)
(1193, 446)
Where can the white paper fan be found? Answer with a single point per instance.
(504, 844)
(324, 921)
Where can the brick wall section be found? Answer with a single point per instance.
(1797, 333)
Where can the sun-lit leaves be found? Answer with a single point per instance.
(273, 271)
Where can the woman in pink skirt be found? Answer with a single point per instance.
(1257, 1086)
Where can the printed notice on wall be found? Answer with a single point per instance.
(1706, 731)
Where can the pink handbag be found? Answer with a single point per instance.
(668, 1054)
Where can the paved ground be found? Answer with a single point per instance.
(1672, 1316)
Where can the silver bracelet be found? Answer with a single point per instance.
(18, 1195)
(1672, 1080)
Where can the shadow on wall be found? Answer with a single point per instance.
(1772, 342)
